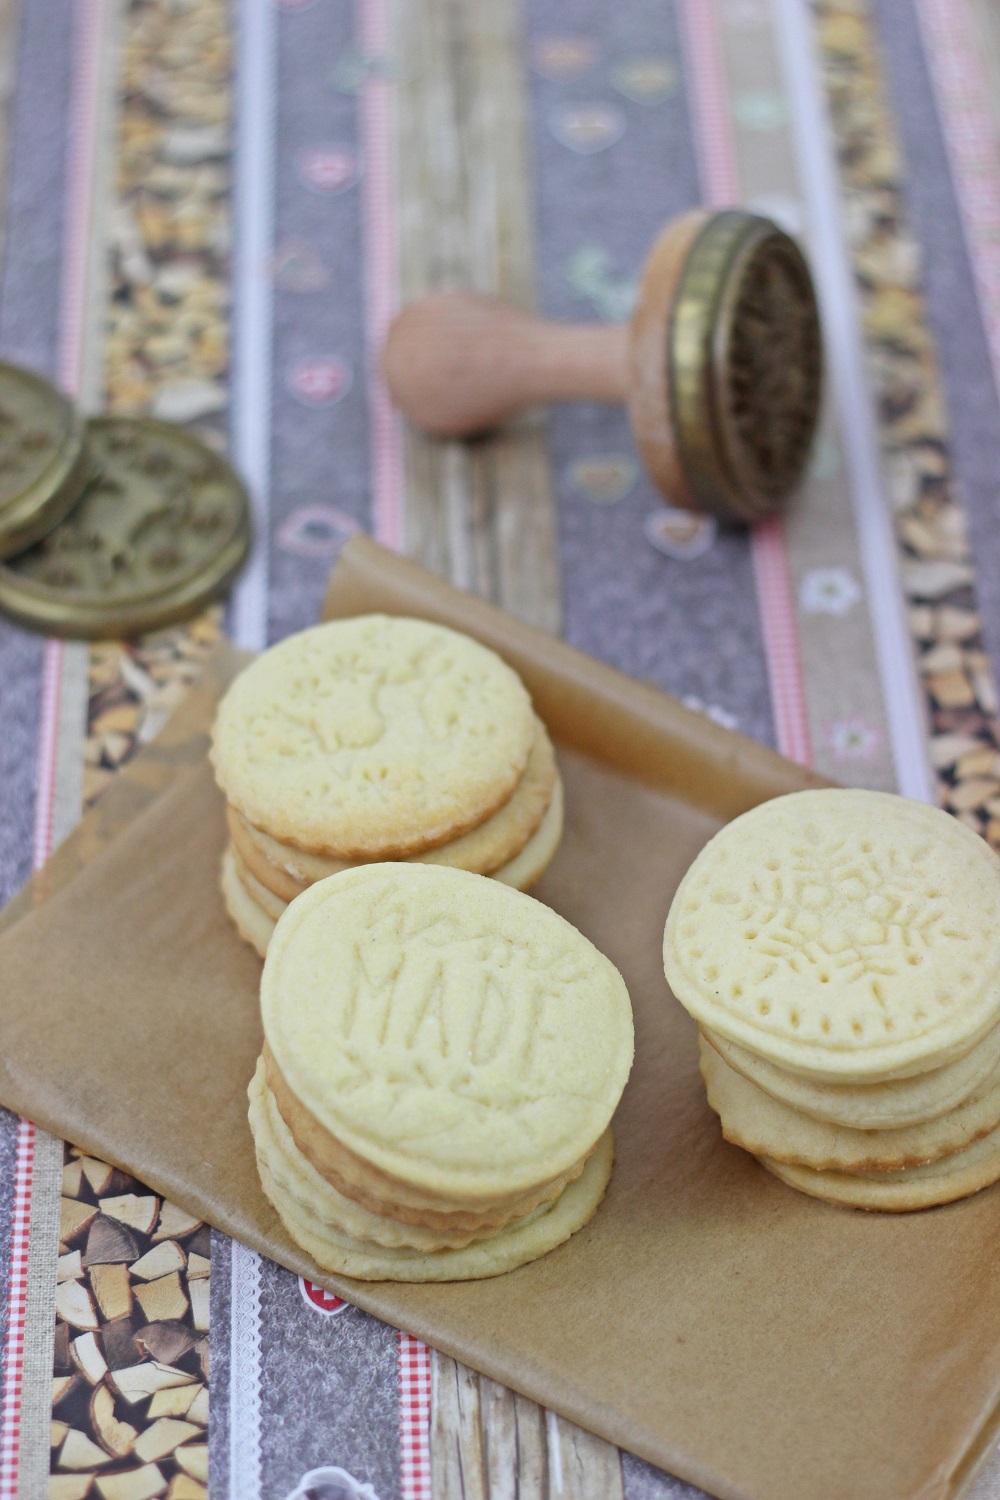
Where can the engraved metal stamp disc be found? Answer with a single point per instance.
(161, 530)
(725, 365)
(745, 366)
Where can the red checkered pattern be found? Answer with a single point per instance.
(10, 1399)
(414, 1419)
(720, 187)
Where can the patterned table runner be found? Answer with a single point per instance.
(210, 216)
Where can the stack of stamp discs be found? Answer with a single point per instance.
(45, 464)
(375, 739)
(442, 1057)
(112, 526)
(840, 951)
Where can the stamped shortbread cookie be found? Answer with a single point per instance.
(373, 737)
(944, 1181)
(522, 871)
(485, 850)
(445, 1054)
(309, 1197)
(315, 1216)
(255, 922)
(767, 1127)
(447, 1029)
(848, 935)
(870, 1106)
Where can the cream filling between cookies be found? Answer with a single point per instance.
(390, 1197)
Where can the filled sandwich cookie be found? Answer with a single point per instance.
(374, 739)
(442, 1057)
(840, 951)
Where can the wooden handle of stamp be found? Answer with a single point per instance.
(458, 363)
(720, 368)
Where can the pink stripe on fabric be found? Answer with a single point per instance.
(776, 602)
(414, 1364)
(381, 269)
(720, 180)
(953, 51)
(47, 744)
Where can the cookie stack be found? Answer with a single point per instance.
(840, 951)
(442, 1057)
(372, 739)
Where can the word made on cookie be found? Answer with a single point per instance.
(442, 1057)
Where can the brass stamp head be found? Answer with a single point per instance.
(746, 366)
(726, 365)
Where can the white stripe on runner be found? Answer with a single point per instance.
(17, 1287)
(252, 315)
(244, 1374)
(48, 738)
(846, 372)
(553, 1449)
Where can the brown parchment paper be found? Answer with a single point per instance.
(710, 1319)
